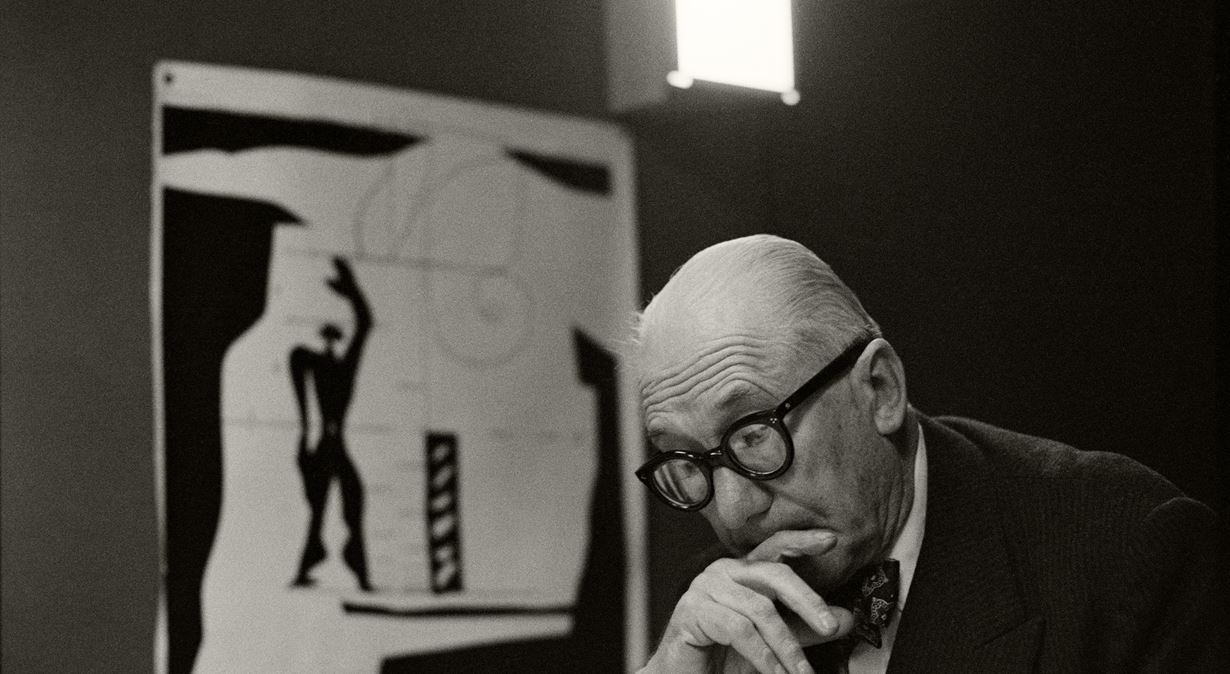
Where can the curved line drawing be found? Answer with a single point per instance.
(432, 198)
(480, 314)
(396, 229)
(487, 346)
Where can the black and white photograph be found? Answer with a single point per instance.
(653, 336)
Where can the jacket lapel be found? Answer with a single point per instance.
(964, 610)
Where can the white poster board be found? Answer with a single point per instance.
(389, 422)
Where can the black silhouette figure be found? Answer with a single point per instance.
(333, 380)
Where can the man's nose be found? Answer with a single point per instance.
(736, 498)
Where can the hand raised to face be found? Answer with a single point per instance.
(752, 614)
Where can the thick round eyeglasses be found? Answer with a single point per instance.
(757, 446)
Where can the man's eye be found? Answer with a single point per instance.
(750, 436)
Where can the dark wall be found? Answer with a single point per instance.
(1021, 193)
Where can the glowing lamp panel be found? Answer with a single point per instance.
(746, 43)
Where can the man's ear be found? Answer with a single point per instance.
(881, 375)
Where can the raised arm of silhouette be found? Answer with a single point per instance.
(344, 284)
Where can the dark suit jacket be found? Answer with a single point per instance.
(1041, 558)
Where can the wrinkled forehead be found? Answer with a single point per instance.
(696, 362)
(698, 305)
(687, 370)
(678, 328)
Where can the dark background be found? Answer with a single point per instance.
(1022, 193)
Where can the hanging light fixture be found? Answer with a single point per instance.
(656, 44)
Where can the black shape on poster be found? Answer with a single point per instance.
(332, 379)
(215, 266)
(596, 643)
(186, 129)
(593, 178)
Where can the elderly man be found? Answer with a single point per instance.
(860, 530)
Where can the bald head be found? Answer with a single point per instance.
(763, 287)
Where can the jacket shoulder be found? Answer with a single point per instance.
(1042, 468)
(1103, 547)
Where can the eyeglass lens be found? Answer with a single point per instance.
(756, 447)
(681, 481)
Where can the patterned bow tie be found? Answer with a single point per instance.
(871, 595)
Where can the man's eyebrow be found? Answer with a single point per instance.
(737, 395)
(739, 400)
(727, 406)
(652, 437)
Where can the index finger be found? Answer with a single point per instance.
(825, 622)
(793, 543)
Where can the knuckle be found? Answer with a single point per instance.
(711, 573)
(697, 585)
(702, 584)
(746, 632)
(686, 603)
(741, 628)
(691, 603)
(761, 607)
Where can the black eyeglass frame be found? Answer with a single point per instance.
(773, 418)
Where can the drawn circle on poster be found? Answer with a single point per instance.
(385, 223)
(480, 318)
(481, 313)
(474, 218)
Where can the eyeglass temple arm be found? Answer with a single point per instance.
(822, 377)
